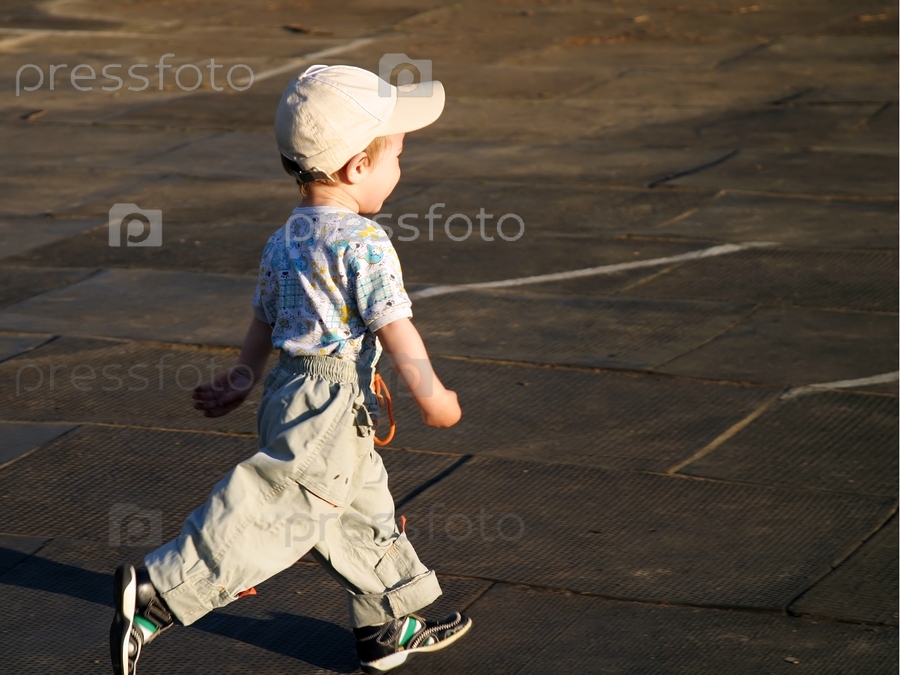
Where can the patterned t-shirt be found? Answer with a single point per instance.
(327, 280)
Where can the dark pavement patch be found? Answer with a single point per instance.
(114, 382)
(12, 344)
(797, 222)
(473, 260)
(815, 173)
(233, 248)
(19, 439)
(862, 588)
(17, 283)
(834, 280)
(610, 420)
(96, 482)
(512, 634)
(22, 234)
(297, 622)
(573, 208)
(170, 306)
(634, 536)
(819, 441)
(797, 346)
(572, 330)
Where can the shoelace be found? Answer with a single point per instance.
(382, 393)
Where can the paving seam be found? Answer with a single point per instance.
(832, 197)
(744, 609)
(38, 447)
(697, 169)
(27, 557)
(52, 338)
(195, 346)
(550, 589)
(725, 435)
(724, 64)
(723, 481)
(835, 310)
(93, 273)
(710, 339)
(830, 104)
(785, 100)
(626, 371)
(639, 282)
(862, 125)
(692, 211)
(477, 597)
(463, 459)
(434, 480)
(840, 561)
(112, 425)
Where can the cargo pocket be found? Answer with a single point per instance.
(400, 564)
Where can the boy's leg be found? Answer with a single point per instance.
(385, 580)
(370, 558)
(259, 519)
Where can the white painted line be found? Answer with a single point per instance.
(83, 33)
(304, 60)
(712, 252)
(842, 384)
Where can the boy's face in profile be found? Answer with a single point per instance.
(382, 177)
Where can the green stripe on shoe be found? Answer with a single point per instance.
(146, 625)
(409, 629)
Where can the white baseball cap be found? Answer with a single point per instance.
(330, 113)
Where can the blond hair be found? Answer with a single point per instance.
(373, 150)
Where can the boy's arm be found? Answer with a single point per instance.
(403, 345)
(228, 390)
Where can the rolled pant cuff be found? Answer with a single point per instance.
(371, 609)
(189, 596)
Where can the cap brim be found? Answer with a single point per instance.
(415, 110)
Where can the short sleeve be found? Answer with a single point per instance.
(377, 283)
(265, 305)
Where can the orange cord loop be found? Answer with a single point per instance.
(382, 393)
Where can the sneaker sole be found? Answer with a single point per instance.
(125, 586)
(395, 660)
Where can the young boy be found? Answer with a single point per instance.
(330, 297)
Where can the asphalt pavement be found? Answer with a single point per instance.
(652, 245)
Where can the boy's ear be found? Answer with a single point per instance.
(356, 169)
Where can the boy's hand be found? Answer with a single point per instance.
(225, 393)
(441, 410)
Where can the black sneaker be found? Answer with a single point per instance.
(382, 648)
(140, 616)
